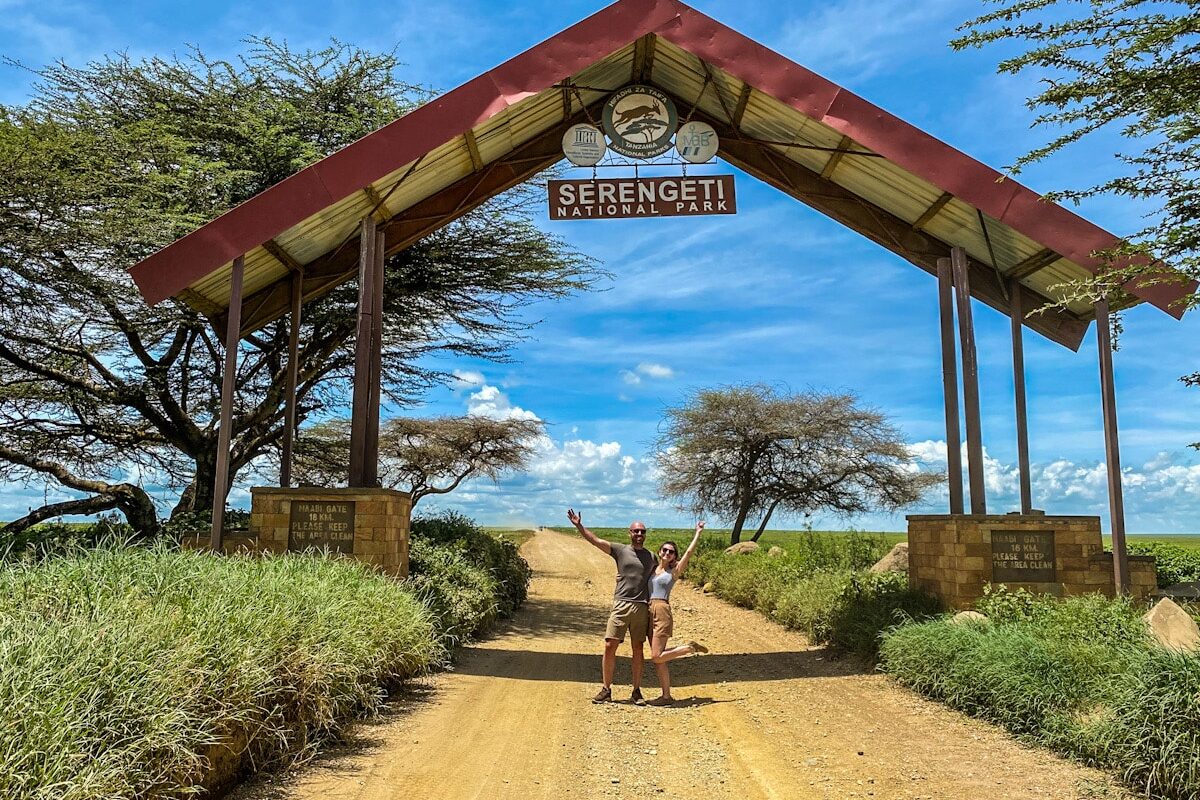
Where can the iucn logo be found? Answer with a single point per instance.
(639, 121)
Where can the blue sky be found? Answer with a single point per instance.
(777, 293)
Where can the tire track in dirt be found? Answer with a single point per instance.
(764, 716)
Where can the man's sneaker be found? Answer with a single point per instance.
(637, 698)
(603, 696)
(661, 701)
(697, 647)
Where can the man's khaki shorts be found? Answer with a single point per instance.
(627, 616)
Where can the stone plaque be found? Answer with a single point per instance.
(1023, 557)
(322, 524)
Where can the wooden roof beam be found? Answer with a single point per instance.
(643, 58)
(282, 256)
(1035, 263)
(836, 158)
(932, 211)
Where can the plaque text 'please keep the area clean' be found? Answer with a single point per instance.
(322, 524)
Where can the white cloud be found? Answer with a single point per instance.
(491, 402)
(630, 377)
(655, 370)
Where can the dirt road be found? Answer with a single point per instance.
(763, 716)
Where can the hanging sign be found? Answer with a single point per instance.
(583, 145)
(697, 142)
(639, 121)
(617, 198)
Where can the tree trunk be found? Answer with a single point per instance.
(138, 509)
(197, 496)
(763, 525)
(735, 535)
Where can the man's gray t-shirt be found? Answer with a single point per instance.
(634, 568)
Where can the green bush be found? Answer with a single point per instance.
(460, 595)
(1174, 564)
(499, 558)
(1079, 675)
(819, 586)
(122, 666)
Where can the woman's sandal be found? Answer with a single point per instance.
(697, 648)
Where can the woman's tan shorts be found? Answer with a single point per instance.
(662, 624)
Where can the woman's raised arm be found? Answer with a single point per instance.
(687, 554)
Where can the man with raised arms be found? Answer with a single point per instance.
(631, 601)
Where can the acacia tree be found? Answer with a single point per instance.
(108, 163)
(747, 451)
(422, 456)
(1128, 65)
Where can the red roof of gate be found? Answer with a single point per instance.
(778, 121)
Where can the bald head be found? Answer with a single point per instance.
(637, 533)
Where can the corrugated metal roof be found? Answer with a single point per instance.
(763, 101)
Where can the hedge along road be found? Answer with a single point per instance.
(763, 716)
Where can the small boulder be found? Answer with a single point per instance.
(969, 618)
(741, 548)
(776, 552)
(895, 561)
(1173, 627)
(708, 587)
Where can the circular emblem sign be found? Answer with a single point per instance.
(583, 145)
(639, 121)
(697, 142)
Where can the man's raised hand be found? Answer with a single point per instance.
(575, 518)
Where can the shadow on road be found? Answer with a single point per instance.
(693, 671)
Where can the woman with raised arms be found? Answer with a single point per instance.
(670, 569)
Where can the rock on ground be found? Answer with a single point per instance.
(1173, 627)
(776, 552)
(895, 561)
(968, 617)
(741, 548)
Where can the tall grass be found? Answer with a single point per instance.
(1078, 675)
(124, 670)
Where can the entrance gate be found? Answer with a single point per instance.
(981, 235)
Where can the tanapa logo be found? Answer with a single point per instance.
(639, 121)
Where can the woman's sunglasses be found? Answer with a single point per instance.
(667, 550)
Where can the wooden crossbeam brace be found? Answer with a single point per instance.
(381, 211)
(932, 211)
(566, 98)
(282, 256)
(473, 149)
(643, 58)
(1035, 263)
(743, 100)
(836, 158)
(199, 302)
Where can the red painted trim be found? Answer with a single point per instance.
(289, 202)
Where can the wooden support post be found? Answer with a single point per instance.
(970, 365)
(1112, 451)
(371, 452)
(293, 376)
(362, 354)
(950, 384)
(225, 423)
(1017, 315)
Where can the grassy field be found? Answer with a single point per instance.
(782, 538)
